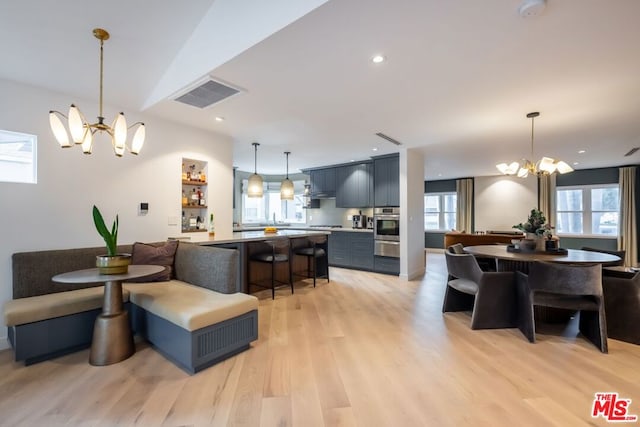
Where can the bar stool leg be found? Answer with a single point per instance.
(273, 278)
(314, 266)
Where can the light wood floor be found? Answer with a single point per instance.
(365, 349)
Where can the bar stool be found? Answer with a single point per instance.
(274, 256)
(316, 251)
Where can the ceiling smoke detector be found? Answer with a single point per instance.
(531, 8)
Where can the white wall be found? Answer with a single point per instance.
(55, 213)
(412, 257)
(503, 201)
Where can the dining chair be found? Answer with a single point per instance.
(563, 286)
(316, 251)
(621, 292)
(277, 252)
(491, 296)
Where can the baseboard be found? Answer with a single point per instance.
(414, 275)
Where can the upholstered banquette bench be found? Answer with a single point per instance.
(195, 319)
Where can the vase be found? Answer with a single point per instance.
(540, 245)
(117, 264)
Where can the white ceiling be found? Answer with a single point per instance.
(459, 79)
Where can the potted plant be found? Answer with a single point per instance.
(112, 262)
(535, 228)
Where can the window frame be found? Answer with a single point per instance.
(10, 137)
(441, 212)
(587, 212)
(273, 187)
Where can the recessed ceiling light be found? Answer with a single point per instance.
(378, 59)
(575, 163)
(375, 149)
(219, 119)
(582, 151)
(352, 160)
(439, 174)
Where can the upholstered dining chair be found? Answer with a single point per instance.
(573, 287)
(621, 292)
(491, 296)
(620, 253)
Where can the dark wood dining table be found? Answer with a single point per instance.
(519, 261)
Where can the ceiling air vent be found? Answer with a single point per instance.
(207, 93)
(388, 138)
(633, 150)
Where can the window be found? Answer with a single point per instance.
(589, 210)
(440, 211)
(262, 210)
(17, 157)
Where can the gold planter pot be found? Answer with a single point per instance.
(117, 264)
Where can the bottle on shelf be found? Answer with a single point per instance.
(203, 177)
(194, 198)
(192, 222)
(184, 173)
(185, 200)
(198, 223)
(185, 224)
(201, 200)
(212, 229)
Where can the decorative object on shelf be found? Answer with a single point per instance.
(212, 228)
(255, 181)
(544, 166)
(536, 229)
(82, 132)
(112, 262)
(286, 186)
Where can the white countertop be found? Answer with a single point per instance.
(252, 236)
(307, 228)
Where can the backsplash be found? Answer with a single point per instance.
(328, 214)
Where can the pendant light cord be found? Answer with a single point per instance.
(532, 120)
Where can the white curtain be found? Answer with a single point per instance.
(464, 204)
(628, 234)
(546, 197)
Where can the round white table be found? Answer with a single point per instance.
(112, 338)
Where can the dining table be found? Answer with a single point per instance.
(513, 260)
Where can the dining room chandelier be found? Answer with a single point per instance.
(80, 131)
(286, 186)
(544, 166)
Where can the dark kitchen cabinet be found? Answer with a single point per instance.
(351, 249)
(386, 181)
(387, 265)
(323, 183)
(354, 186)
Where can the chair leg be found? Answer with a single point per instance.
(526, 319)
(290, 274)
(593, 326)
(314, 269)
(273, 280)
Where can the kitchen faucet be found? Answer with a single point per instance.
(274, 218)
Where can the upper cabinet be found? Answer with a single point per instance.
(386, 181)
(354, 186)
(323, 183)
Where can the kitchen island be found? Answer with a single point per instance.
(246, 241)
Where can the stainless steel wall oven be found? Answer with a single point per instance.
(386, 232)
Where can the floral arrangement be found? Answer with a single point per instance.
(536, 224)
